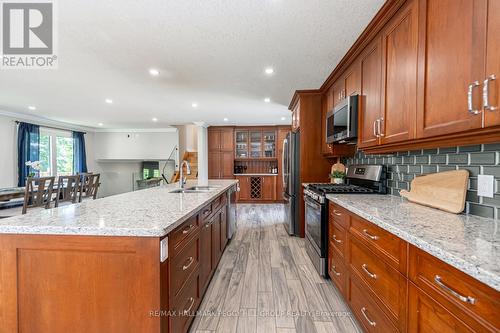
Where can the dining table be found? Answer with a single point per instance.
(10, 193)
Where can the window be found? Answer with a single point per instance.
(56, 153)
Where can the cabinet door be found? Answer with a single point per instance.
(352, 82)
(214, 164)
(227, 139)
(244, 193)
(216, 229)
(205, 254)
(214, 139)
(451, 57)
(268, 185)
(241, 139)
(227, 165)
(338, 91)
(371, 77)
(492, 116)
(400, 58)
(427, 315)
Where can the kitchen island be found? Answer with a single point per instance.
(135, 262)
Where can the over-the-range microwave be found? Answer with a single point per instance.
(342, 121)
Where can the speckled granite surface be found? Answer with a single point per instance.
(151, 212)
(466, 242)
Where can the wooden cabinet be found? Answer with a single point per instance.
(399, 63)
(220, 153)
(268, 188)
(371, 90)
(492, 75)
(255, 143)
(393, 286)
(223, 229)
(216, 236)
(450, 64)
(205, 254)
(338, 91)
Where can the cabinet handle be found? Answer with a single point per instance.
(334, 271)
(367, 234)
(371, 322)
(206, 211)
(336, 213)
(187, 229)
(191, 300)
(465, 299)
(370, 274)
(469, 98)
(486, 92)
(375, 128)
(379, 122)
(337, 240)
(190, 260)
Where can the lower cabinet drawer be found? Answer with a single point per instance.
(427, 315)
(338, 237)
(337, 270)
(184, 306)
(389, 286)
(370, 316)
(182, 265)
(470, 300)
(179, 237)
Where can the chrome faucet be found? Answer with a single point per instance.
(188, 171)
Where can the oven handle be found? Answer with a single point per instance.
(312, 202)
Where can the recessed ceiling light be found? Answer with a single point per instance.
(267, 100)
(283, 118)
(100, 124)
(154, 72)
(269, 70)
(226, 119)
(155, 119)
(194, 105)
(32, 108)
(109, 100)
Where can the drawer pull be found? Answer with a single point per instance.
(337, 240)
(187, 229)
(191, 300)
(190, 260)
(206, 211)
(334, 271)
(371, 322)
(337, 213)
(465, 299)
(208, 224)
(367, 234)
(370, 274)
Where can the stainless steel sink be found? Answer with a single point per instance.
(203, 188)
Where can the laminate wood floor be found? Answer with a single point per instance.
(265, 282)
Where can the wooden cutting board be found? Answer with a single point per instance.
(443, 190)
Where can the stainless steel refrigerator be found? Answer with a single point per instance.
(291, 182)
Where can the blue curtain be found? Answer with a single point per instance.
(28, 142)
(79, 154)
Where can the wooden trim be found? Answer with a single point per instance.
(298, 93)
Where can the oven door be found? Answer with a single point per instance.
(314, 223)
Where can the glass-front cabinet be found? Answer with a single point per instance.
(255, 144)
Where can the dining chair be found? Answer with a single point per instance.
(90, 185)
(68, 189)
(38, 192)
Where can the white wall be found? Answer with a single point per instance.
(135, 145)
(8, 152)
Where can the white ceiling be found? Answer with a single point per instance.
(209, 52)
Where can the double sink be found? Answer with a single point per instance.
(195, 189)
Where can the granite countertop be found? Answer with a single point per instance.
(467, 242)
(152, 212)
(255, 174)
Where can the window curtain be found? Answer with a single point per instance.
(79, 154)
(28, 149)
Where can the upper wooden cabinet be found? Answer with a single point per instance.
(452, 59)
(255, 143)
(399, 76)
(371, 91)
(221, 139)
(492, 113)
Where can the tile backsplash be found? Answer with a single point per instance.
(403, 167)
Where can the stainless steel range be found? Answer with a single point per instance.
(360, 179)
